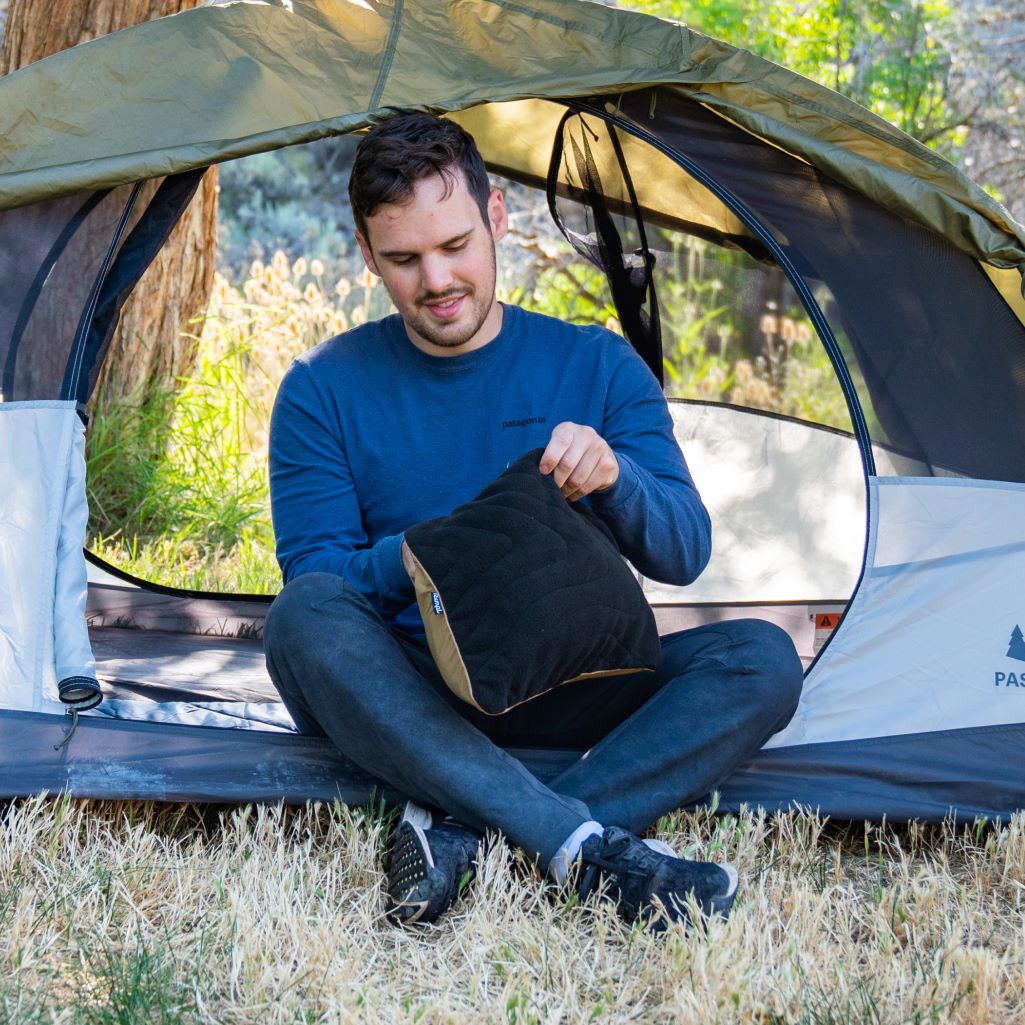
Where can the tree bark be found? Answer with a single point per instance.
(151, 345)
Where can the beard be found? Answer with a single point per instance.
(477, 305)
(449, 336)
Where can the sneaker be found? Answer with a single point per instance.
(430, 864)
(649, 885)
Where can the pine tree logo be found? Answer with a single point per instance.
(1017, 646)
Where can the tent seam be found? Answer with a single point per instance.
(389, 55)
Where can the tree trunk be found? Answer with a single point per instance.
(149, 347)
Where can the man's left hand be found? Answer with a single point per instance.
(580, 461)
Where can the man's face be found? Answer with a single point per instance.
(436, 258)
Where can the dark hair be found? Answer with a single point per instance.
(404, 150)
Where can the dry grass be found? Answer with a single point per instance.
(139, 913)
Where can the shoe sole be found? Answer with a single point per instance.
(721, 904)
(411, 852)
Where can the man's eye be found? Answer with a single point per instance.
(402, 261)
(455, 247)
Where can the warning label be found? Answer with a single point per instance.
(825, 624)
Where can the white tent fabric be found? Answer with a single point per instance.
(43, 634)
(787, 503)
(928, 643)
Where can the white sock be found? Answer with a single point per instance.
(559, 866)
(416, 815)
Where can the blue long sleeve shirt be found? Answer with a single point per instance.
(370, 435)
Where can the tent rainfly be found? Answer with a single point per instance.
(905, 531)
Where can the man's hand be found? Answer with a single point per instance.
(580, 461)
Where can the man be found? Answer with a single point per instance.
(402, 420)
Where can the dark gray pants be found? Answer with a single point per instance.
(653, 740)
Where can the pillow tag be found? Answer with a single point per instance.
(436, 602)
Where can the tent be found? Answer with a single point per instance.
(906, 530)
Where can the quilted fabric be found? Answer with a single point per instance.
(521, 591)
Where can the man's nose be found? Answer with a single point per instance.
(436, 274)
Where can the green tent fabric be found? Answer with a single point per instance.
(212, 84)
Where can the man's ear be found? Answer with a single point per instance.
(368, 255)
(498, 216)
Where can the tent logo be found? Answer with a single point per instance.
(1015, 649)
(1017, 645)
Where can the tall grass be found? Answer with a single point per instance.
(177, 476)
(131, 913)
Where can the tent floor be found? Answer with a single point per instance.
(166, 666)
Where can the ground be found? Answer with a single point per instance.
(126, 913)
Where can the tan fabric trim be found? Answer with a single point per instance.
(440, 638)
(572, 679)
(605, 672)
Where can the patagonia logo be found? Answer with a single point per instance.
(524, 422)
(436, 602)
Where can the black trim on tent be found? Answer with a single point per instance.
(32, 296)
(770, 414)
(69, 386)
(741, 243)
(632, 282)
(911, 776)
(175, 592)
(266, 599)
(121, 759)
(140, 248)
(787, 418)
(924, 776)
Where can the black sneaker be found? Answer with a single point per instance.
(650, 886)
(430, 864)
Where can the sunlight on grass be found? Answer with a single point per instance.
(177, 478)
(247, 567)
(130, 912)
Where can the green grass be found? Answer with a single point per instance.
(247, 567)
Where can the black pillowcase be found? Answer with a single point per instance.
(521, 591)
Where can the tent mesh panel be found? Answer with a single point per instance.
(727, 326)
(619, 245)
(68, 265)
(50, 256)
(938, 357)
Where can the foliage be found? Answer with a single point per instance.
(886, 54)
(293, 200)
(177, 480)
(948, 73)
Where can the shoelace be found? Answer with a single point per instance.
(597, 865)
